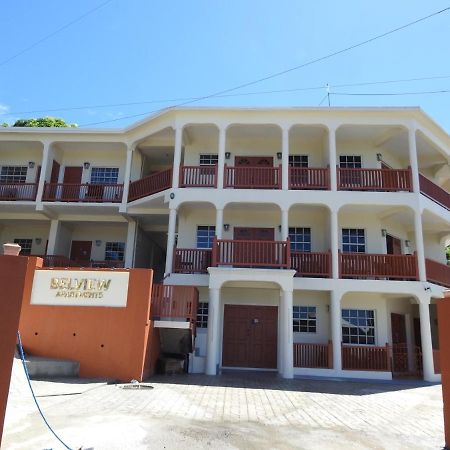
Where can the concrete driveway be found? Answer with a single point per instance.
(235, 410)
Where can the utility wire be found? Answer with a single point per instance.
(276, 91)
(53, 33)
(374, 94)
(323, 99)
(283, 72)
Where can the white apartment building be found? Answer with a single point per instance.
(315, 236)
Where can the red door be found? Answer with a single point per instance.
(393, 245)
(250, 336)
(72, 177)
(251, 177)
(53, 188)
(248, 253)
(81, 251)
(399, 344)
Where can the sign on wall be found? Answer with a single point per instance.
(80, 288)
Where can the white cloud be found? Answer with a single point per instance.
(4, 108)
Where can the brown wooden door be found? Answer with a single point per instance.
(249, 179)
(399, 344)
(250, 336)
(247, 254)
(72, 176)
(81, 250)
(393, 245)
(253, 161)
(54, 176)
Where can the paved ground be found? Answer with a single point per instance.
(245, 411)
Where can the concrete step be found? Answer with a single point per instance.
(41, 367)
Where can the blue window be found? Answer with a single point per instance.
(104, 175)
(205, 236)
(304, 319)
(300, 239)
(358, 326)
(353, 240)
(114, 251)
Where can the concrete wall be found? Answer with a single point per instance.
(27, 230)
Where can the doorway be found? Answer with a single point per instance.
(81, 251)
(72, 181)
(254, 178)
(259, 254)
(399, 344)
(250, 336)
(393, 245)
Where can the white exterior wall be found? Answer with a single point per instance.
(317, 150)
(27, 231)
(434, 247)
(21, 157)
(253, 147)
(193, 151)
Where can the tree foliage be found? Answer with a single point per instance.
(44, 122)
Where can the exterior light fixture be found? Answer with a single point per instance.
(379, 157)
(31, 164)
(279, 155)
(38, 241)
(383, 232)
(227, 155)
(86, 165)
(407, 243)
(98, 242)
(172, 195)
(226, 226)
(279, 228)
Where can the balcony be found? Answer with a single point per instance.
(85, 192)
(198, 176)
(174, 303)
(191, 260)
(434, 192)
(315, 356)
(355, 357)
(309, 178)
(437, 273)
(152, 184)
(245, 177)
(64, 261)
(308, 264)
(378, 266)
(18, 191)
(384, 180)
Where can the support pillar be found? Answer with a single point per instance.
(170, 240)
(287, 336)
(212, 344)
(127, 177)
(420, 249)
(221, 157)
(413, 159)
(425, 335)
(332, 157)
(285, 159)
(52, 236)
(284, 224)
(280, 353)
(177, 157)
(219, 223)
(131, 244)
(336, 329)
(44, 169)
(334, 239)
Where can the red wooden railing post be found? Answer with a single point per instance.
(388, 358)
(338, 177)
(214, 252)
(410, 187)
(330, 354)
(280, 174)
(288, 253)
(174, 259)
(416, 265)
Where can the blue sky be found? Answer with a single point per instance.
(137, 50)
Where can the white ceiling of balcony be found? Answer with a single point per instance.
(20, 146)
(92, 146)
(244, 132)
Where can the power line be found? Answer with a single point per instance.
(48, 36)
(374, 94)
(291, 69)
(276, 91)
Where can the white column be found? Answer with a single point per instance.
(332, 157)
(52, 237)
(334, 239)
(287, 336)
(284, 224)
(177, 157)
(420, 250)
(413, 159)
(212, 344)
(127, 176)
(44, 169)
(219, 223)
(221, 157)
(170, 240)
(131, 244)
(280, 354)
(427, 345)
(285, 159)
(336, 330)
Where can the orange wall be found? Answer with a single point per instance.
(108, 342)
(16, 279)
(443, 310)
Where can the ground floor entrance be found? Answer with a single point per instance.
(250, 336)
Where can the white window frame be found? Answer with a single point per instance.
(26, 249)
(209, 237)
(104, 168)
(17, 175)
(300, 313)
(295, 243)
(202, 315)
(120, 251)
(299, 163)
(357, 317)
(208, 159)
(350, 164)
(350, 243)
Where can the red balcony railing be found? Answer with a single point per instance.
(174, 302)
(311, 264)
(437, 272)
(58, 261)
(363, 265)
(150, 184)
(356, 357)
(313, 355)
(18, 191)
(434, 192)
(107, 264)
(246, 253)
(309, 178)
(243, 177)
(191, 260)
(437, 361)
(198, 176)
(374, 179)
(86, 192)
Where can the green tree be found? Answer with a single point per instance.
(4, 125)
(44, 122)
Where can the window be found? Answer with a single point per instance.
(298, 160)
(304, 318)
(205, 236)
(25, 244)
(104, 175)
(209, 160)
(358, 326)
(353, 240)
(13, 174)
(202, 315)
(300, 239)
(350, 162)
(114, 251)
